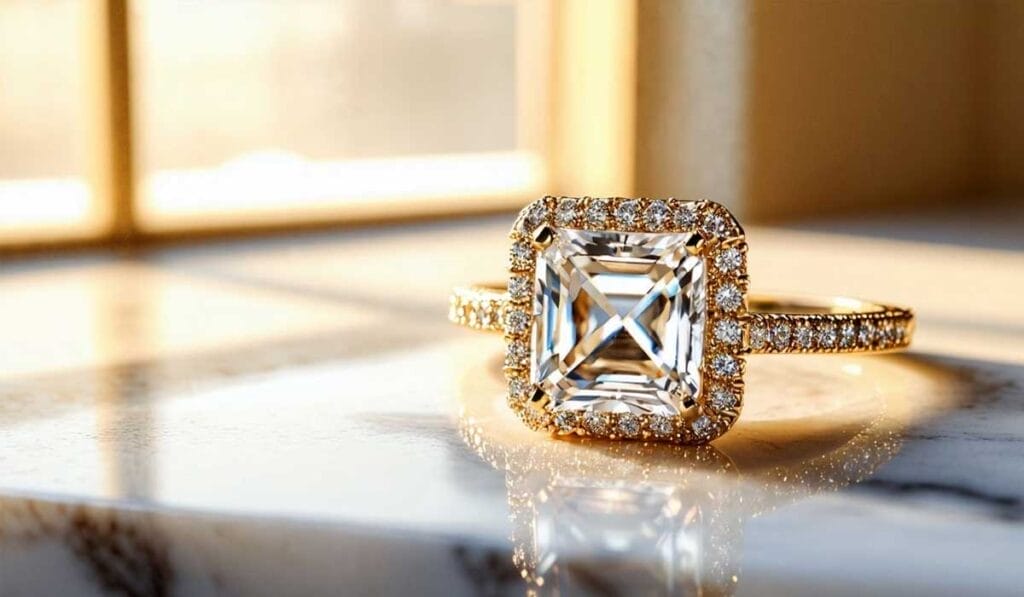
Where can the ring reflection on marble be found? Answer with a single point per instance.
(631, 319)
(671, 517)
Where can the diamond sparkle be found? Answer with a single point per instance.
(618, 322)
(567, 212)
(656, 214)
(729, 297)
(728, 331)
(597, 213)
(729, 259)
(520, 287)
(628, 213)
(660, 426)
(685, 217)
(629, 425)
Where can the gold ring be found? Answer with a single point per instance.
(630, 318)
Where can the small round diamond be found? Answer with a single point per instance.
(627, 213)
(900, 331)
(516, 321)
(660, 425)
(629, 425)
(520, 287)
(684, 217)
(597, 213)
(482, 315)
(729, 297)
(656, 215)
(866, 334)
(722, 398)
(827, 335)
(847, 333)
(567, 212)
(516, 353)
(804, 336)
(536, 215)
(728, 260)
(518, 389)
(889, 332)
(595, 423)
(725, 365)
(781, 334)
(534, 418)
(565, 421)
(715, 225)
(758, 336)
(728, 331)
(701, 425)
(520, 256)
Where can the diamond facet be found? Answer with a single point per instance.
(715, 225)
(758, 335)
(725, 365)
(729, 297)
(619, 320)
(567, 212)
(685, 217)
(701, 425)
(520, 287)
(728, 331)
(804, 336)
(595, 422)
(536, 215)
(629, 425)
(847, 333)
(516, 321)
(597, 213)
(627, 213)
(728, 260)
(520, 256)
(866, 334)
(660, 425)
(565, 421)
(518, 389)
(722, 398)
(656, 215)
(827, 335)
(516, 353)
(780, 334)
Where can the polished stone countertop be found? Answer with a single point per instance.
(295, 416)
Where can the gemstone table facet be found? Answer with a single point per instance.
(619, 322)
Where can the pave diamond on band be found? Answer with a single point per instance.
(629, 318)
(870, 327)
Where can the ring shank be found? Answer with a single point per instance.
(776, 323)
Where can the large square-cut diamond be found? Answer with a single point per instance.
(619, 322)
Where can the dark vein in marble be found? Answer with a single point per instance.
(1003, 507)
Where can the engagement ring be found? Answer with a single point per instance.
(630, 319)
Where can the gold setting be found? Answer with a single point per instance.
(734, 326)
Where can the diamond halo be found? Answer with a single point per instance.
(720, 254)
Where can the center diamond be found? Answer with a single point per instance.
(619, 322)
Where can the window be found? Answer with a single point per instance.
(237, 115)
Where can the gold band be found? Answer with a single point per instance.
(775, 323)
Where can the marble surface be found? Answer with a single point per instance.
(296, 417)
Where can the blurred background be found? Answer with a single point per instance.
(123, 121)
(176, 410)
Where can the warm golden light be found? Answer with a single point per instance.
(282, 186)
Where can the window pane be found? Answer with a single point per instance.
(292, 110)
(43, 191)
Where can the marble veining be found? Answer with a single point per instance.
(198, 422)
